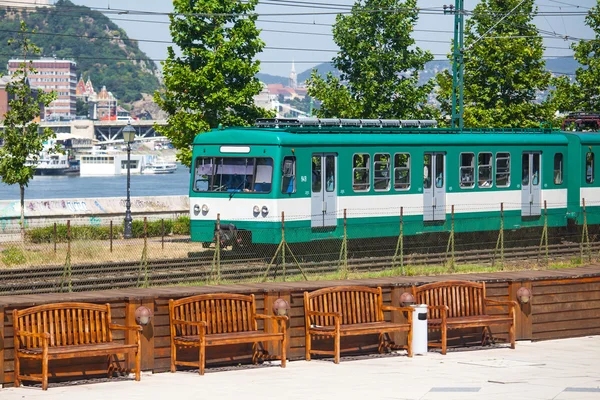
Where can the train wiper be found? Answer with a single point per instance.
(237, 189)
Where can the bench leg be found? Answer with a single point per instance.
(307, 347)
(444, 339)
(202, 357)
(17, 371)
(173, 356)
(409, 343)
(138, 362)
(511, 333)
(45, 373)
(283, 351)
(336, 344)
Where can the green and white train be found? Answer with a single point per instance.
(311, 171)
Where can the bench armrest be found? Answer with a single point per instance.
(125, 327)
(194, 323)
(274, 317)
(394, 308)
(41, 335)
(508, 303)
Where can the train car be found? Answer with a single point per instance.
(315, 171)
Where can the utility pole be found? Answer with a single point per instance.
(458, 66)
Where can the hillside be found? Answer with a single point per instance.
(100, 48)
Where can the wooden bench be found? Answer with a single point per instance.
(68, 330)
(220, 319)
(351, 310)
(461, 304)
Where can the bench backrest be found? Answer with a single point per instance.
(222, 312)
(67, 324)
(357, 304)
(462, 297)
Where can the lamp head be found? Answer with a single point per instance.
(143, 315)
(280, 307)
(524, 295)
(406, 299)
(128, 133)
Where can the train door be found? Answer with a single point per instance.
(531, 184)
(324, 190)
(434, 187)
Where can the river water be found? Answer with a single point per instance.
(66, 187)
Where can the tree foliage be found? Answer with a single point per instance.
(22, 138)
(504, 70)
(213, 81)
(101, 49)
(584, 93)
(379, 64)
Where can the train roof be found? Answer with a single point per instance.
(302, 136)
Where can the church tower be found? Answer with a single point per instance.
(293, 82)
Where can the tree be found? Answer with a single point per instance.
(504, 70)
(379, 64)
(584, 93)
(22, 138)
(213, 81)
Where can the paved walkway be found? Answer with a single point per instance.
(557, 369)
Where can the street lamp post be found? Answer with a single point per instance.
(128, 137)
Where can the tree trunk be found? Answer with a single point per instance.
(22, 212)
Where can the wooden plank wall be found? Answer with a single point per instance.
(563, 307)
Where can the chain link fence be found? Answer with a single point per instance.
(77, 256)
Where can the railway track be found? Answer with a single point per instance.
(85, 277)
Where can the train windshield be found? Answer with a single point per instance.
(233, 174)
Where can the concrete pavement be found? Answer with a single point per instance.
(557, 369)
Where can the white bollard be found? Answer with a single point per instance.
(419, 328)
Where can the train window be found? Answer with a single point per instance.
(316, 174)
(330, 173)
(233, 174)
(484, 169)
(589, 167)
(467, 170)
(381, 170)
(427, 171)
(360, 172)
(558, 168)
(502, 169)
(401, 171)
(439, 170)
(535, 170)
(525, 169)
(288, 175)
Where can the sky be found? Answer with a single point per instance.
(313, 44)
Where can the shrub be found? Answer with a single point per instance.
(181, 226)
(13, 256)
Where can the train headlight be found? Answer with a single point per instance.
(265, 210)
(256, 210)
(204, 209)
(196, 209)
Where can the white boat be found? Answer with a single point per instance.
(50, 164)
(159, 166)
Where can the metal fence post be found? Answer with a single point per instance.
(216, 264)
(111, 236)
(585, 236)
(544, 238)
(344, 251)
(67, 270)
(400, 245)
(500, 241)
(162, 226)
(450, 246)
(145, 281)
(55, 237)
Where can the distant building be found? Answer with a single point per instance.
(53, 75)
(293, 81)
(84, 90)
(103, 106)
(6, 97)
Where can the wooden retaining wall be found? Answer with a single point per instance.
(565, 303)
